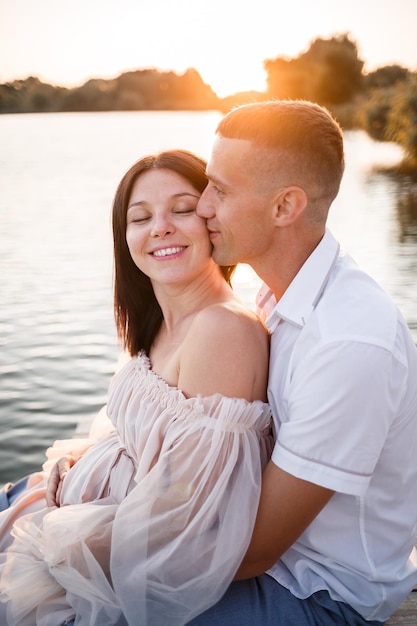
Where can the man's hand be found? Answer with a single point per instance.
(56, 478)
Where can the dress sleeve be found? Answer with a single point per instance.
(171, 548)
(97, 427)
(190, 519)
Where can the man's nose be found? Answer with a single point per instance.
(204, 207)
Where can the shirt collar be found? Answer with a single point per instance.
(305, 290)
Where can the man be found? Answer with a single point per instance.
(336, 523)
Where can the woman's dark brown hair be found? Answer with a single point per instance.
(137, 313)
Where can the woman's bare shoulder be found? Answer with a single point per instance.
(226, 351)
(231, 316)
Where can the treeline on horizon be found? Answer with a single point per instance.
(382, 102)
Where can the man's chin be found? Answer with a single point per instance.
(222, 258)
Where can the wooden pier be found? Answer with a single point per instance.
(406, 615)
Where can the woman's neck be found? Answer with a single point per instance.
(179, 307)
(181, 302)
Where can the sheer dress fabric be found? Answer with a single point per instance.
(154, 519)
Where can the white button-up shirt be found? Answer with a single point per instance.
(343, 392)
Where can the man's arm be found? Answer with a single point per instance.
(287, 506)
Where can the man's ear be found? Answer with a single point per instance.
(289, 204)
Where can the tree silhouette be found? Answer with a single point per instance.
(329, 72)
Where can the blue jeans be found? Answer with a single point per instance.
(10, 492)
(262, 601)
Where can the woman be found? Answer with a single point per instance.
(148, 527)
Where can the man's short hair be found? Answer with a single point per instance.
(306, 138)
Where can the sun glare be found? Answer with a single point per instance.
(226, 81)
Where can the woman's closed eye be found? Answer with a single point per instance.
(139, 219)
(185, 211)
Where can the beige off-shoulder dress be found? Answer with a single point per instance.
(154, 518)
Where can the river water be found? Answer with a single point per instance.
(58, 174)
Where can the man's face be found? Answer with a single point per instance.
(239, 216)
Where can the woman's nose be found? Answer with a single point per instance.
(161, 227)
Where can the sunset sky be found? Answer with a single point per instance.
(66, 42)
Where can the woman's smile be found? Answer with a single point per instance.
(172, 251)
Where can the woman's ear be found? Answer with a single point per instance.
(289, 204)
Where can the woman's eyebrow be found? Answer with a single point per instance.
(135, 204)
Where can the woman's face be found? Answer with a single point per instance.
(166, 238)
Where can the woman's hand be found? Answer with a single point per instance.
(56, 478)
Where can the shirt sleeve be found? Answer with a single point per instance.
(342, 397)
